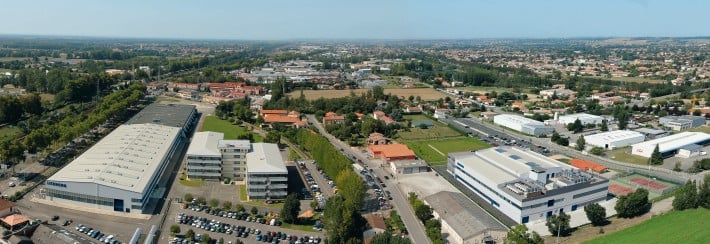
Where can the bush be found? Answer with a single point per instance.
(596, 214)
(633, 205)
(188, 197)
(597, 151)
(240, 208)
(214, 203)
(254, 210)
(201, 200)
(175, 229)
(227, 181)
(226, 205)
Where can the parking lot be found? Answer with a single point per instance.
(228, 226)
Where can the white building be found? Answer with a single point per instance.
(463, 220)
(267, 177)
(614, 139)
(522, 124)
(684, 122)
(586, 119)
(210, 157)
(669, 145)
(118, 173)
(525, 185)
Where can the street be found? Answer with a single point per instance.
(399, 199)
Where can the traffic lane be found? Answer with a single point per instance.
(172, 216)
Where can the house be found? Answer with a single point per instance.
(463, 221)
(413, 166)
(377, 139)
(392, 152)
(375, 225)
(264, 112)
(413, 110)
(14, 221)
(332, 118)
(440, 113)
(379, 115)
(6, 208)
(488, 114)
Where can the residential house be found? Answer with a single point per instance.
(441, 113)
(332, 118)
(377, 139)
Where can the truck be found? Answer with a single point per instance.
(358, 167)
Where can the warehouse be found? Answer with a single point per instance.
(463, 220)
(524, 185)
(586, 119)
(412, 166)
(684, 122)
(175, 115)
(669, 145)
(118, 173)
(614, 139)
(522, 124)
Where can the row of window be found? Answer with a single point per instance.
(52, 183)
(79, 197)
(589, 192)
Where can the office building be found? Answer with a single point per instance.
(267, 177)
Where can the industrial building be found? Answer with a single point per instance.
(669, 145)
(210, 157)
(524, 185)
(614, 139)
(652, 133)
(267, 177)
(522, 124)
(464, 221)
(684, 122)
(586, 119)
(122, 171)
(412, 166)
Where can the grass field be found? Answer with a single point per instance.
(636, 79)
(441, 147)
(439, 130)
(10, 132)
(426, 94)
(688, 226)
(705, 129)
(191, 183)
(212, 123)
(629, 158)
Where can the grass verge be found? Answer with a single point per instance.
(628, 158)
(689, 226)
(191, 183)
(425, 149)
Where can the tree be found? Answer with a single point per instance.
(315, 205)
(273, 137)
(240, 208)
(581, 143)
(188, 197)
(291, 207)
(206, 238)
(634, 204)
(604, 127)
(704, 194)
(190, 234)
(576, 127)
(559, 224)
(201, 200)
(656, 157)
(388, 237)
(226, 205)
(221, 240)
(175, 229)
(597, 151)
(433, 230)
(596, 214)
(563, 141)
(352, 187)
(519, 235)
(555, 137)
(342, 223)
(423, 212)
(686, 197)
(254, 210)
(214, 203)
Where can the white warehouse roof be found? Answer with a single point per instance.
(504, 164)
(519, 120)
(670, 143)
(614, 136)
(204, 143)
(265, 158)
(125, 159)
(583, 117)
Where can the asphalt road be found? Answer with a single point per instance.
(399, 199)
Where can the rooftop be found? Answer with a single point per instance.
(580, 116)
(519, 119)
(175, 115)
(393, 150)
(265, 158)
(465, 217)
(203, 143)
(409, 163)
(504, 164)
(279, 118)
(126, 159)
(233, 144)
(675, 141)
(613, 135)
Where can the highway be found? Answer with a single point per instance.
(399, 199)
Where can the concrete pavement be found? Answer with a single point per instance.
(399, 200)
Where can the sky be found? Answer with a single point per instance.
(360, 19)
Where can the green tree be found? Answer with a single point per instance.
(273, 137)
(604, 127)
(559, 224)
(254, 210)
(314, 205)
(633, 204)
(214, 203)
(201, 200)
(581, 143)
(686, 197)
(352, 187)
(519, 235)
(575, 127)
(389, 238)
(423, 212)
(342, 223)
(596, 214)
(291, 207)
(206, 239)
(175, 229)
(704, 194)
(226, 205)
(240, 208)
(597, 151)
(656, 157)
(563, 141)
(555, 136)
(433, 230)
(190, 234)
(188, 197)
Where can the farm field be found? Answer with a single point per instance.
(435, 151)
(426, 94)
(231, 132)
(689, 226)
(636, 79)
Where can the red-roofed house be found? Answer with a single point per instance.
(413, 110)
(391, 152)
(332, 118)
(264, 112)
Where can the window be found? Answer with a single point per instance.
(525, 219)
(574, 207)
(551, 202)
(549, 214)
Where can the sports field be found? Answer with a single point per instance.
(689, 226)
(434, 151)
(426, 94)
(212, 123)
(619, 190)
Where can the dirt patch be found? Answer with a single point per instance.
(426, 94)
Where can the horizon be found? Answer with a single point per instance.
(365, 20)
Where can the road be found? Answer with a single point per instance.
(399, 199)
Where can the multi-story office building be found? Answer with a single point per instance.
(267, 177)
(210, 157)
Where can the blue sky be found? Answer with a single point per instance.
(361, 19)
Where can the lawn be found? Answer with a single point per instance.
(231, 132)
(191, 183)
(705, 129)
(629, 158)
(688, 226)
(243, 199)
(439, 130)
(308, 228)
(424, 149)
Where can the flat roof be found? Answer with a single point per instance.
(580, 116)
(503, 164)
(126, 159)
(616, 135)
(409, 163)
(205, 143)
(650, 131)
(234, 143)
(175, 115)
(464, 216)
(519, 119)
(265, 158)
(675, 141)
